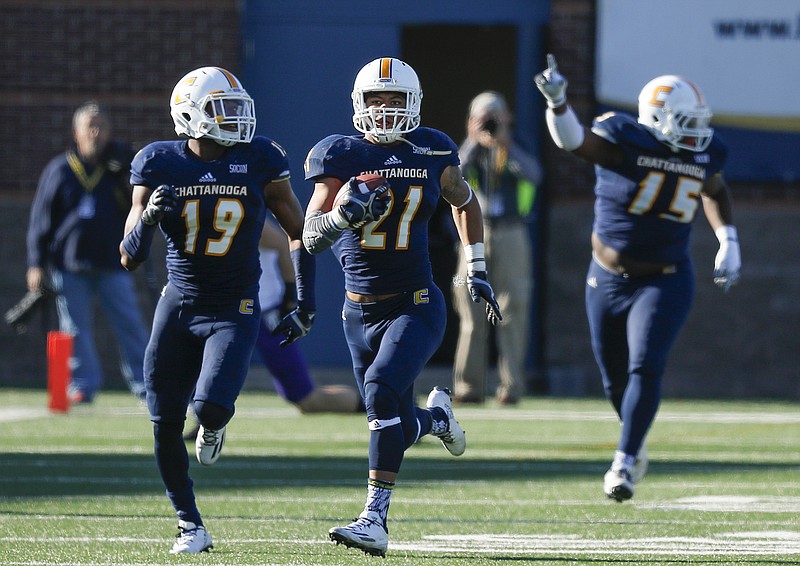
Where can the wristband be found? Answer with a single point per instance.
(475, 258)
(338, 218)
(305, 269)
(566, 131)
(136, 243)
(726, 233)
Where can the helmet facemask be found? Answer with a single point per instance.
(386, 124)
(230, 118)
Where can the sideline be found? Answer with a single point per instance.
(12, 414)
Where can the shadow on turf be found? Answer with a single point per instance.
(52, 475)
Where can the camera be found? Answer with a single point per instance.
(490, 126)
(18, 316)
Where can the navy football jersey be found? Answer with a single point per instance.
(212, 237)
(644, 207)
(389, 255)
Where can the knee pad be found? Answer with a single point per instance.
(382, 403)
(211, 415)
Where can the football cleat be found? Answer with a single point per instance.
(617, 485)
(191, 539)
(639, 468)
(366, 533)
(208, 445)
(453, 437)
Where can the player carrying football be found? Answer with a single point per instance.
(394, 315)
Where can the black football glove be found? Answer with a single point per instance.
(359, 208)
(162, 201)
(294, 325)
(479, 288)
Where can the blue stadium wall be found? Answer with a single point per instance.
(299, 62)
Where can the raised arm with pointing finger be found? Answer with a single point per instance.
(653, 173)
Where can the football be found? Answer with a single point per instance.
(364, 184)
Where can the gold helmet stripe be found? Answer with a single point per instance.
(231, 79)
(386, 68)
(696, 91)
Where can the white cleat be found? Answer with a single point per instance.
(208, 445)
(453, 439)
(365, 533)
(191, 539)
(617, 485)
(639, 468)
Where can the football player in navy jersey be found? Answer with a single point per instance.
(394, 316)
(209, 195)
(652, 175)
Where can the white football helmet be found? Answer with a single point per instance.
(386, 125)
(676, 111)
(210, 102)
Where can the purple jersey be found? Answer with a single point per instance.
(212, 236)
(391, 254)
(644, 206)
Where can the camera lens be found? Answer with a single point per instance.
(490, 126)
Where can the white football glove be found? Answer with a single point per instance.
(552, 83)
(728, 261)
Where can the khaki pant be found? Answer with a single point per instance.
(508, 262)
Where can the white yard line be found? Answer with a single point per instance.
(737, 544)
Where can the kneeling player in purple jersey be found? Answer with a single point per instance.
(394, 315)
(652, 175)
(209, 195)
(287, 365)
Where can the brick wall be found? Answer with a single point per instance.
(571, 37)
(57, 54)
(128, 55)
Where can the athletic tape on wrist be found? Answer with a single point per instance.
(726, 233)
(475, 258)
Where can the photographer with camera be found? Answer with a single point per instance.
(504, 178)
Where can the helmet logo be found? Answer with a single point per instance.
(658, 95)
